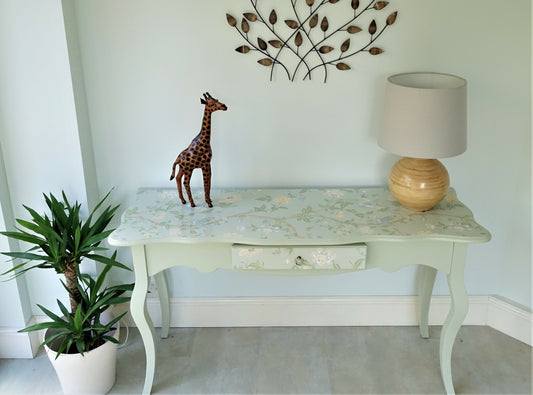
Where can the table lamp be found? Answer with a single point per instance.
(424, 119)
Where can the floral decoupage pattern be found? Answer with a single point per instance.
(345, 257)
(291, 217)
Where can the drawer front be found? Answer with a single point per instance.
(345, 257)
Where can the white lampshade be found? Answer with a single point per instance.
(424, 115)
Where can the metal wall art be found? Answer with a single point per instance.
(198, 154)
(306, 39)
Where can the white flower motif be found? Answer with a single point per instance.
(334, 193)
(168, 194)
(230, 199)
(174, 232)
(366, 230)
(249, 252)
(233, 234)
(323, 257)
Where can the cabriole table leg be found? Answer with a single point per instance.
(164, 300)
(425, 289)
(140, 315)
(456, 316)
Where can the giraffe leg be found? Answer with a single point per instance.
(187, 184)
(206, 172)
(178, 182)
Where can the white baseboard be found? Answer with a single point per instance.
(510, 318)
(496, 312)
(18, 345)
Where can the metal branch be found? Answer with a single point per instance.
(296, 30)
(331, 34)
(284, 43)
(312, 44)
(374, 38)
(263, 52)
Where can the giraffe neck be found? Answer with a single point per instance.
(205, 133)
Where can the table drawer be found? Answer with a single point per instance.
(343, 257)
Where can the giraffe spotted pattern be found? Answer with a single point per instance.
(198, 154)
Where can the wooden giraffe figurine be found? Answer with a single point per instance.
(198, 154)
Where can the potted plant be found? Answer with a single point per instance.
(60, 242)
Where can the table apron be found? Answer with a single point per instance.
(386, 255)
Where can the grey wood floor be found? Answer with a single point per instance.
(304, 360)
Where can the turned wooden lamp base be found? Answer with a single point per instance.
(419, 184)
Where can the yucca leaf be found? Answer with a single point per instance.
(43, 325)
(111, 339)
(89, 244)
(107, 261)
(26, 255)
(80, 345)
(78, 318)
(24, 236)
(49, 313)
(64, 310)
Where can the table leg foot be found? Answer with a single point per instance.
(164, 300)
(425, 289)
(455, 317)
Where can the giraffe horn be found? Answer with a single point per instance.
(208, 95)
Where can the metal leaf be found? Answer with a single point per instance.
(355, 4)
(265, 62)
(324, 25)
(310, 2)
(353, 29)
(231, 20)
(345, 45)
(275, 43)
(273, 18)
(262, 43)
(342, 66)
(298, 39)
(392, 18)
(243, 49)
(325, 49)
(250, 16)
(372, 27)
(292, 24)
(313, 21)
(375, 51)
(380, 5)
(245, 26)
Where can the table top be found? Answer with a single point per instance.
(306, 216)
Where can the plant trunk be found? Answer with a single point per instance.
(72, 279)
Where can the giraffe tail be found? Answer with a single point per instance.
(173, 171)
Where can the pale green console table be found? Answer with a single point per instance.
(297, 232)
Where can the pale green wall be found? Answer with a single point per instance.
(146, 63)
(38, 130)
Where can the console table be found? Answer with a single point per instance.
(297, 232)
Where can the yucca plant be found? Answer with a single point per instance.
(60, 241)
(83, 330)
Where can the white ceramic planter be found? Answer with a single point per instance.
(92, 373)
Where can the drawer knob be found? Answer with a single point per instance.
(299, 260)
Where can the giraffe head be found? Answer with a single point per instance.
(212, 104)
